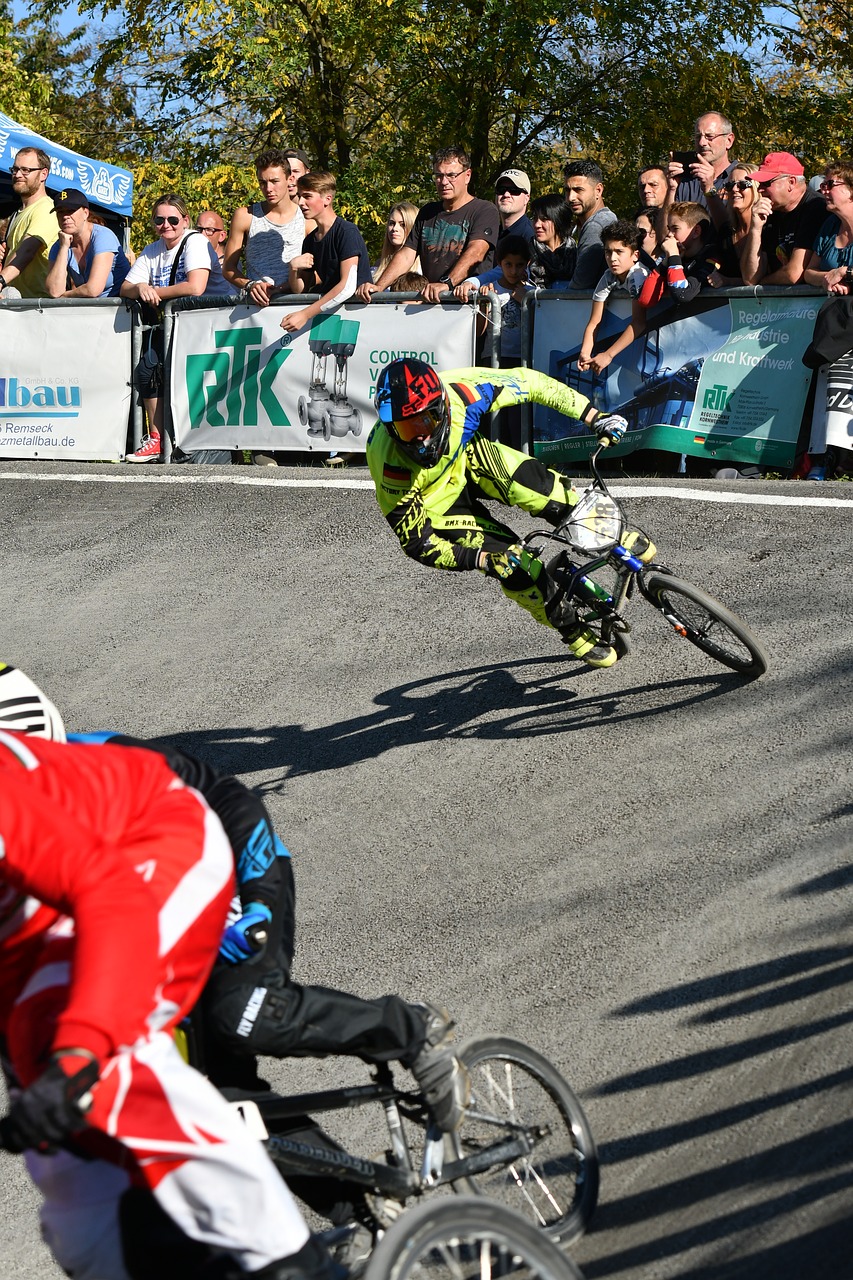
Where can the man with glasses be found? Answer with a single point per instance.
(786, 219)
(454, 236)
(32, 230)
(702, 181)
(211, 225)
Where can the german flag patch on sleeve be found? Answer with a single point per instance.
(396, 476)
(466, 393)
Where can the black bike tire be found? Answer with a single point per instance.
(581, 1169)
(622, 643)
(659, 586)
(434, 1226)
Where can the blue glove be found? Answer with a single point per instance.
(610, 427)
(237, 942)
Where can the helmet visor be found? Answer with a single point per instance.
(420, 426)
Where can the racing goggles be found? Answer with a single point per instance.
(421, 425)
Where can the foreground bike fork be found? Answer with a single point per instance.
(399, 1143)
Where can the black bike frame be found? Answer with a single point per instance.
(295, 1155)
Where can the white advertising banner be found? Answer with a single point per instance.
(237, 381)
(64, 381)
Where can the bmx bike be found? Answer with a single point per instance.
(524, 1142)
(591, 533)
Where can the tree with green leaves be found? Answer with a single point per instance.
(369, 91)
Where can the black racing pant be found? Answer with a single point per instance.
(255, 1008)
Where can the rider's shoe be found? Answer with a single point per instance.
(585, 644)
(311, 1262)
(443, 1079)
(354, 1252)
(640, 545)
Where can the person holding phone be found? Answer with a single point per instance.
(697, 176)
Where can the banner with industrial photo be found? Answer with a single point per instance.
(238, 382)
(64, 380)
(721, 377)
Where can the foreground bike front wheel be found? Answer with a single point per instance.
(702, 620)
(514, 1092)
(466, 1238)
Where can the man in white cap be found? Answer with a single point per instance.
(512, 196)
(786, 218)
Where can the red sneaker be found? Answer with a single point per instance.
(148, 451)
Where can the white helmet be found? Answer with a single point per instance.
(24, 708)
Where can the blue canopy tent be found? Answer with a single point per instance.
(109, 189)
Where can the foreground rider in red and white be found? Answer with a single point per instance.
(251, 1005)
(432, 466)
(115, 881)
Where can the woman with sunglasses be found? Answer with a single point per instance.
(740, 192)
(180, 264)
(647, 221)
(829, 264)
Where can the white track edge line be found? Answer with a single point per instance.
(339, 482)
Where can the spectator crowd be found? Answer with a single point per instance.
(703, 220)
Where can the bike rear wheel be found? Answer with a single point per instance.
(466, 1238)
(513, 1087)
(702, 620)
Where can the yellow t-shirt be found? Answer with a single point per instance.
(37, 219)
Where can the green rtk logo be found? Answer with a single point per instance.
(224, 387)
(717, 398)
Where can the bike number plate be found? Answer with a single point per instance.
(595, 522)
(251, 1117)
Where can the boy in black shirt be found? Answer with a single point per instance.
(334, 259)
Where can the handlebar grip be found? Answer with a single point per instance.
(258, 935)
(604, 442)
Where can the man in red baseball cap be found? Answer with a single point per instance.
(785, 222)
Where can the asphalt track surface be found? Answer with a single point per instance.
(644, 872)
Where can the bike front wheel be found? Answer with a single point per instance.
(515, 1091)
(466, 1238)
(702, 620)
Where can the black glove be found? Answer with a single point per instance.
(52, 1108)
(610, 427)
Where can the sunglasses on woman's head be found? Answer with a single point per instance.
(172, 220)
(742, 184)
